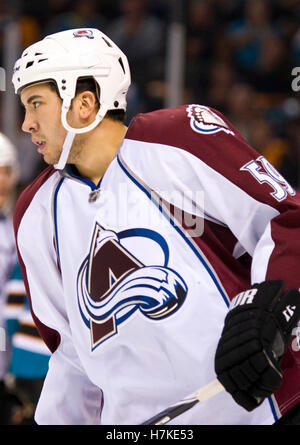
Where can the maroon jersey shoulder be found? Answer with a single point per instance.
(199, 130)
(181, 127)
(205, 133)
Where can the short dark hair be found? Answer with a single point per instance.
(89, 84)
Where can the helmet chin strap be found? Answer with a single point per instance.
(71, 132)
(68, 142)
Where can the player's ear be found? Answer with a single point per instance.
(86, 104)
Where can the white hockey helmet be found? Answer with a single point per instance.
(67, 56)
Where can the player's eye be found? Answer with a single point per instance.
(36, 104)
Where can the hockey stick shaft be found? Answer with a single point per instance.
(204, 393)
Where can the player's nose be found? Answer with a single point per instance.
(29, 125)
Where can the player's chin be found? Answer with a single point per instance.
(50, 159)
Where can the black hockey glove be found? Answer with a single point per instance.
(256, 333)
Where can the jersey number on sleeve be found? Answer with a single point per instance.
(264, 172)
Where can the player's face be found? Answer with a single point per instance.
(43, 120)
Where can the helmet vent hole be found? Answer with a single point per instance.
(107, 42)
(29, 64)
(42, 60)
(122, 65)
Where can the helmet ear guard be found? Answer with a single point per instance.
(67, 56)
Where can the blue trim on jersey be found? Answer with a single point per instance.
(86, 181)
(147, 233)
(273, 408)
(202, 130)
(127, 315)
(143, 189)
(87, 321)
(55, 216)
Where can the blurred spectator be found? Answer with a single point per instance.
(30, 30)
(82, 15)
(136, 102)
(7, 14)
(295, 48)
(221, 77)
(293, 136)
(201, 33)
(273, 69)
(287, 15)
(140, 35)
(277, 150)
(248, 35)
(229, 10)
(241, 107)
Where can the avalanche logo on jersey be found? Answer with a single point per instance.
(205, 121)
(112, 284)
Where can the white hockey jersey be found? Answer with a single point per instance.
(130, 280)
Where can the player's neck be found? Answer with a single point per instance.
(99, 149)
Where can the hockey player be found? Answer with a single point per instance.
(156, 257)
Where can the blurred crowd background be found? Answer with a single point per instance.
(238, 58)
